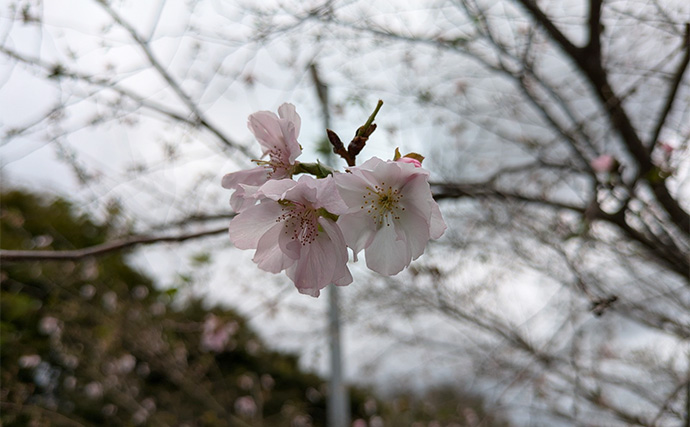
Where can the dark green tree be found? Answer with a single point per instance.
(94, 342)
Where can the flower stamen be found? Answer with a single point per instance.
(383, 203)
(301, 222)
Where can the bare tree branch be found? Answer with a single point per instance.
(594, 23)
(595, 72)
(102, 249)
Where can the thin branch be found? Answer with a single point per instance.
(102, 249)
(94, 81)
(673, 90)
(477, 191)
(669, 400)
(554, 32)
(184, 97)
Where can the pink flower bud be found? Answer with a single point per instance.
(415, 162)
(603, 163)
(668, 148)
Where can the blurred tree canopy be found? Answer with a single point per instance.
(95, 343)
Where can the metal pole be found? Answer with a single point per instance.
(338, 400)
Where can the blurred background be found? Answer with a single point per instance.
(556, 134)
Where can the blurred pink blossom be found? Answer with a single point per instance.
(603, 163)
(245, 406)
(29, 361)
(215, 334)
(667, 148)
(49, 325)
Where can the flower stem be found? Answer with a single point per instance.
(363, 130)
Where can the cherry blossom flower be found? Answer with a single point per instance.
(391, 213)
(293, 228)
(277, 136)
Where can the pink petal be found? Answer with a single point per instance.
(288, 112)
(417, 195)
(266, 128)
(276, 189)
(415, 230)
(314, 269)
(328, 196)
(603, 163)
(290, 125)
(341, 274)
(254, 176)
(411, 161)
(291, 247)
(306, 192)
(251, 224)
(383, 173)
(269, 257)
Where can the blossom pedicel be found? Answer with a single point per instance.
(304, 227)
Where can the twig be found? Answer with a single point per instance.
(358, 142)
(673, 91)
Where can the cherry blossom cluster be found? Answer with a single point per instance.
(304, 226)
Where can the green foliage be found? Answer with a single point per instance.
(95, 343)
(444, 405)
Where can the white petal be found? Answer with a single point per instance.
(358, 230)
(415, 230)
(438, 225)
(351, 187)
(387, 255)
